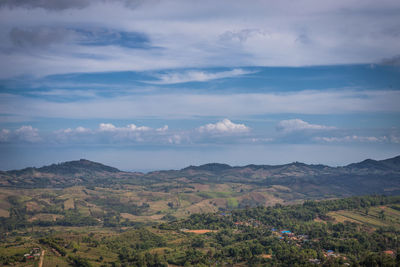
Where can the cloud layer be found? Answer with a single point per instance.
(221, 132)
(151, 35)
(186, 105)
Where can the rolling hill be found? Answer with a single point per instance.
(299, 179)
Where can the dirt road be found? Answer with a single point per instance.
(41, 258)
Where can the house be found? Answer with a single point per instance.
(315, 261)
(330, 253)
(389, 252)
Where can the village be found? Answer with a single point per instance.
(33, 254)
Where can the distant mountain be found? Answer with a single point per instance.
(70, 167)
(64, 174)
(212, 167)
(290, 181)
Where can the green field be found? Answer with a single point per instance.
(382, 216)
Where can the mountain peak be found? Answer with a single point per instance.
(209, 167)
(82, 165)
(69, 167)
(391, 163)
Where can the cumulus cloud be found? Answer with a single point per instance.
(4, 135)
(224, 127)
(197, 76)
(162, 129)
(24, 134)
(27, 134)
(175, 139)
(109, 133)
(77, 130)
(108, 127)
(295, 125)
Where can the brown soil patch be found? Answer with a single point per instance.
(266, 256)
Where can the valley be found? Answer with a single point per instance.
(84, 213)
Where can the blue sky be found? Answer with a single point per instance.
(144, 85)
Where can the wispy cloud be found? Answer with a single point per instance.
(356, 138)
(189, 105)
(295, 125)
(197, 76)
(109, 133)
(46, 4)
(61, 5)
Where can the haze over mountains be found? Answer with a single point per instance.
(295, 180)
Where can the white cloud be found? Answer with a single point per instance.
(175, 139)
(27, 134)
(294, 125)
(162, 129)
(108, 127)
(109, 133)
(4, 135)
(197, 76)
(133, 127)
(224, 127)
(78, 130)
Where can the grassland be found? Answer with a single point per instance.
(153, 204)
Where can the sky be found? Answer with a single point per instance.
(148, 85)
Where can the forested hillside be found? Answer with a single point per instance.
(306, 234)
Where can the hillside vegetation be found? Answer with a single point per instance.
(84, 213)
(305, 234)
(54, 194)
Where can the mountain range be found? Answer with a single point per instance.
(366, 177)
